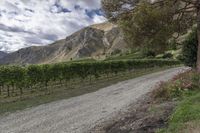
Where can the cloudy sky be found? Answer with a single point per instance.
(26, 23)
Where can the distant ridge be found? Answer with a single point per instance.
(93, 41)
(2, 54)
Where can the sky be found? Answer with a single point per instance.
(25, 23)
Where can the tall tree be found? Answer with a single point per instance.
(182, 14)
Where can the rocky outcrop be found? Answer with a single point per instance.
(93, 41)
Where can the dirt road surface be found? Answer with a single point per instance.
(82, 113)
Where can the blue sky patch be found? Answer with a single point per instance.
(93, 12)
(57, 8)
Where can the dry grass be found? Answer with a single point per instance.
(180, 84)
(191, 127)
(185, 88)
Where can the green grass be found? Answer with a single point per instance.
(175, 53)
(136, 55)
(82, 60)
(186, 117)
(75, 89)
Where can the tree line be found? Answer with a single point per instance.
(154, 24)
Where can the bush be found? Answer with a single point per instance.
(116, 51)
(180, 58)
(190, 49)
(167, 56)
(179, 86)
(148, 53)
(172, 45)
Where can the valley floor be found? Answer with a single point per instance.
(81, 114)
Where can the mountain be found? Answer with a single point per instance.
(93, 41)
(2, 54)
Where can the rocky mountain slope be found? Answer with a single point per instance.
(93, 41)
(2, 54)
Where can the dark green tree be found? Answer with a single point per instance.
(152, 23)
(190, 49)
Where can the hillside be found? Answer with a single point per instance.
(2, 54)
(93, 41)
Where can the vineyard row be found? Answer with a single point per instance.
(21, 78)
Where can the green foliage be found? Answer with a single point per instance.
(23, 78)
(175, 88)
(186, 112)
(116, 51)
(129, 56)
(190, 49)
(172, 45)
(180, 57)
(168, 56)
(148, 53)
(152, 25)
(149, 26)
(186, 88)
(180, 86)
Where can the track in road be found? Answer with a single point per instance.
(80, 114)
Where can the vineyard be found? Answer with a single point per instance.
(17, 81)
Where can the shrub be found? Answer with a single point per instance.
(195, 79)
(116, 51)
(172, 45)
(161, 91)
(178, 86)
(148, 53)
(167, 56)
(180, 58)
(190, 49)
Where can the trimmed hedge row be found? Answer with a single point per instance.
(26, 77)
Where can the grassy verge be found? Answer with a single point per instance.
(124, 57)
(61, 92)
(186, 116)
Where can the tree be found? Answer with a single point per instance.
(182, 15)
(189, 50)
(148, 27)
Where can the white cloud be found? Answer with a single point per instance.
(39, 22)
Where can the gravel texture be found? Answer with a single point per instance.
(81, 114)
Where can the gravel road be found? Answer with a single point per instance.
(82, 113)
